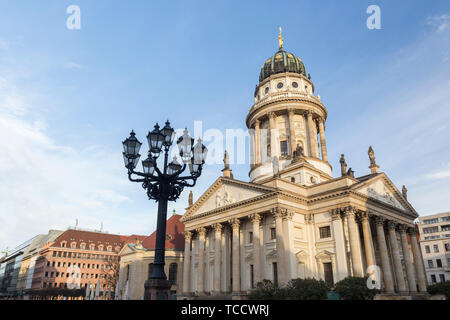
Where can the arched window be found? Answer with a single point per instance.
(173, 270)
(150, 269)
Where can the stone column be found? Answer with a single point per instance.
(217, 259)
(401, 285)
(288, 239)
(187, 261)
(407, 258)
(235, 263)
(355, 244)
(418, 262)
(292, 139)
(368, 242)
(201, 263)
(257, 143)
(341, 253)
(312, 135)
(385, 264)
(278, 214)
(323, 144)
(273, 135)
(256, 219)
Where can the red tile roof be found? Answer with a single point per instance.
(175, 238)
(88, 237)
(133, 238)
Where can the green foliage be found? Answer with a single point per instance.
(355, 288)
(296, 289)
(265, 290)
(307, 289)
(440, 288)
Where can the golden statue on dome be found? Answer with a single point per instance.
(280, 39)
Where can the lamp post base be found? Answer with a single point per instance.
(157, 289)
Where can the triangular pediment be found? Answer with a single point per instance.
(225, 192)
(382, 189)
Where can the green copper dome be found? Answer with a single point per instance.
(282, 61)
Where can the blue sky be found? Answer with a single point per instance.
(69, 97)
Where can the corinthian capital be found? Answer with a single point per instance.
(187, 235)
(379, 221)
(288, 215)
(392, 224)
(255, 217)
(402, 228)
(235, 223)
(201, 232)
(217, 226)
(335, 214)
(277, 212)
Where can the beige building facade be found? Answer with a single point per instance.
(435, 244)
(293, 219)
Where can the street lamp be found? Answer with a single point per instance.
(163, 185)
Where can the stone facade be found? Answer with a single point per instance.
(293, 219)
(435, 246)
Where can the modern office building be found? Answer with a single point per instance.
(435, 246)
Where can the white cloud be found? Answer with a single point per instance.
(45, 185)
(73, 65)
(439, 22)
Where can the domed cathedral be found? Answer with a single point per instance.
(286, 120)
(293, 219)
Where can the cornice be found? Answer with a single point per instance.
(265, 105)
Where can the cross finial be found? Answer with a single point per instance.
(280, 39)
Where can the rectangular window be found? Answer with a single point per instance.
(283, 148)
(275, 273)
(443, 219)
(445, 228)
(252, 279)
(431, 221)
(273, 234)
(250, 237)
(439, 263)
(448, 262)
(430, 263)
(325, 232)
(435, 248)
(433, 278)
(427, 249)
(447, 246)
(442, 277)
(431, 229)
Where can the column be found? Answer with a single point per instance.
(225, 260)
(341, 254)
(256, 219)
(355, 244)
(217, 245)
(418, 262)
(407, 257)
(288, 237)
(273, 135)
(368, 242)
(312, 135)
(257, 143)
(201, 263)
(235, 247)
(385, 264)
(187, 261)
(278, 214)
(323, 144)
(401, 285)
(292, 139)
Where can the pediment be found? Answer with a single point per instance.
(382, 189)
(225, 192)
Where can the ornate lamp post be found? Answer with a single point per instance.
(163, 185)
